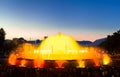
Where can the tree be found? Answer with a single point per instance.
(2, 38)
(112, 43)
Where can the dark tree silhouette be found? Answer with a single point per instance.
(2, 38)
(38, 41)
(112, 43)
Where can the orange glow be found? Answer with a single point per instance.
(58, 48)
(106, 59)
(12, 59)
(60, 63)
(38, 63)
(81, 64)
(26, 51)
(23, 63)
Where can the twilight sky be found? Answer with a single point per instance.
(82, 19)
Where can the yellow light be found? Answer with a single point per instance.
(106, 59)
(59, 48)
(81, 64)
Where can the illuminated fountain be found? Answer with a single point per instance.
(56, 51)
(59, 47)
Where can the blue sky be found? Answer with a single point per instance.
(82, 19)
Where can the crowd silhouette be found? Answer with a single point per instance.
(101, 71)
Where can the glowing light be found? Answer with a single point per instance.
(23, 63)
(106, 59)
(25, 51)
(60, 63)
(12, 59)
(38, 63)
(57, 48)
(81, 64)
(54, 47)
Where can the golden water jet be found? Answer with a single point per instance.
(59, 48)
